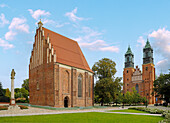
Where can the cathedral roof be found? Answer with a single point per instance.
(67, 50)
(147, 44)
(129, 51)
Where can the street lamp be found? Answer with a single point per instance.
(146, 100)
(123, 101)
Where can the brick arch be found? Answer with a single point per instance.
(80, 85)
(66, 82)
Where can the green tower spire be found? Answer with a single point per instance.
(147, 53)
(129, 51)
(147, 44)
(129, 58)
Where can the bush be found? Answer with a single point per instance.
(23, 107)
(4, 99)
(152, 111)
(3, 108)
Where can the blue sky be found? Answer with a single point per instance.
(102, 29)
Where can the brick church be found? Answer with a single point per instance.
(143, 80)
(59, 74)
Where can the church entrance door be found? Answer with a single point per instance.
(66, 102)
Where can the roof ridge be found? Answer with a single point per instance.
(60, 35)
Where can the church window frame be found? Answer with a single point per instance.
(137, 88)
(146, 68)
(38, 86)
(89, 86)
(80, 85)
(66, 90)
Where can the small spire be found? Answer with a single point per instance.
(147, 44)
(129, 50)
(40, 23)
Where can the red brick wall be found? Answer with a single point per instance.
(146, 86)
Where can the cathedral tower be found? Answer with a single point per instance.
(128, 70)
(148, 75)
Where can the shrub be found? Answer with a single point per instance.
(23, 107)
(3, 108)
(4, 99)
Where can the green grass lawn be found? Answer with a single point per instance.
(128, 110)
(85, 117)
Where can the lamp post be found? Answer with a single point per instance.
(146, 100)
(123, 101)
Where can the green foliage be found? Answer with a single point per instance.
(107, 87)
(132, 98)
(26, 84)
(162, 87)
(152, 110)
(1, 90)
(4, 99)
(105, 68)
(8, 93)
(21, 93)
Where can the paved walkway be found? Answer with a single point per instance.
(40, 111)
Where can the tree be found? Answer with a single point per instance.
(7, 94)
(26, 84)
(107, 86)
(136, 98)
(1, 90)
(21, 93)
(162, 87)
(105, 68)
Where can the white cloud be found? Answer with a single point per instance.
(163, 65)
(36, 14)
(161, 44)
(3, 5)
(5, 44)
(54, 23)
(91, 40)
(99, 45)
(72, 16)
(17, 25)
(110, 48)
(58, 25)
(3, 20)
(10, 35)
(141, 42)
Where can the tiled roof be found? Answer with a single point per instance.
(68, 51)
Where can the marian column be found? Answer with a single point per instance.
(12, 101)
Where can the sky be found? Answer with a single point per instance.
(103, 29)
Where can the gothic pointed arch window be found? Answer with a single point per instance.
(89, 86)
(66, 82)
(38, 87)
(80, 83)
(137, 88)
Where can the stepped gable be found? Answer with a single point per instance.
(67, 51)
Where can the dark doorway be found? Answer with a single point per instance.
(66, 102)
